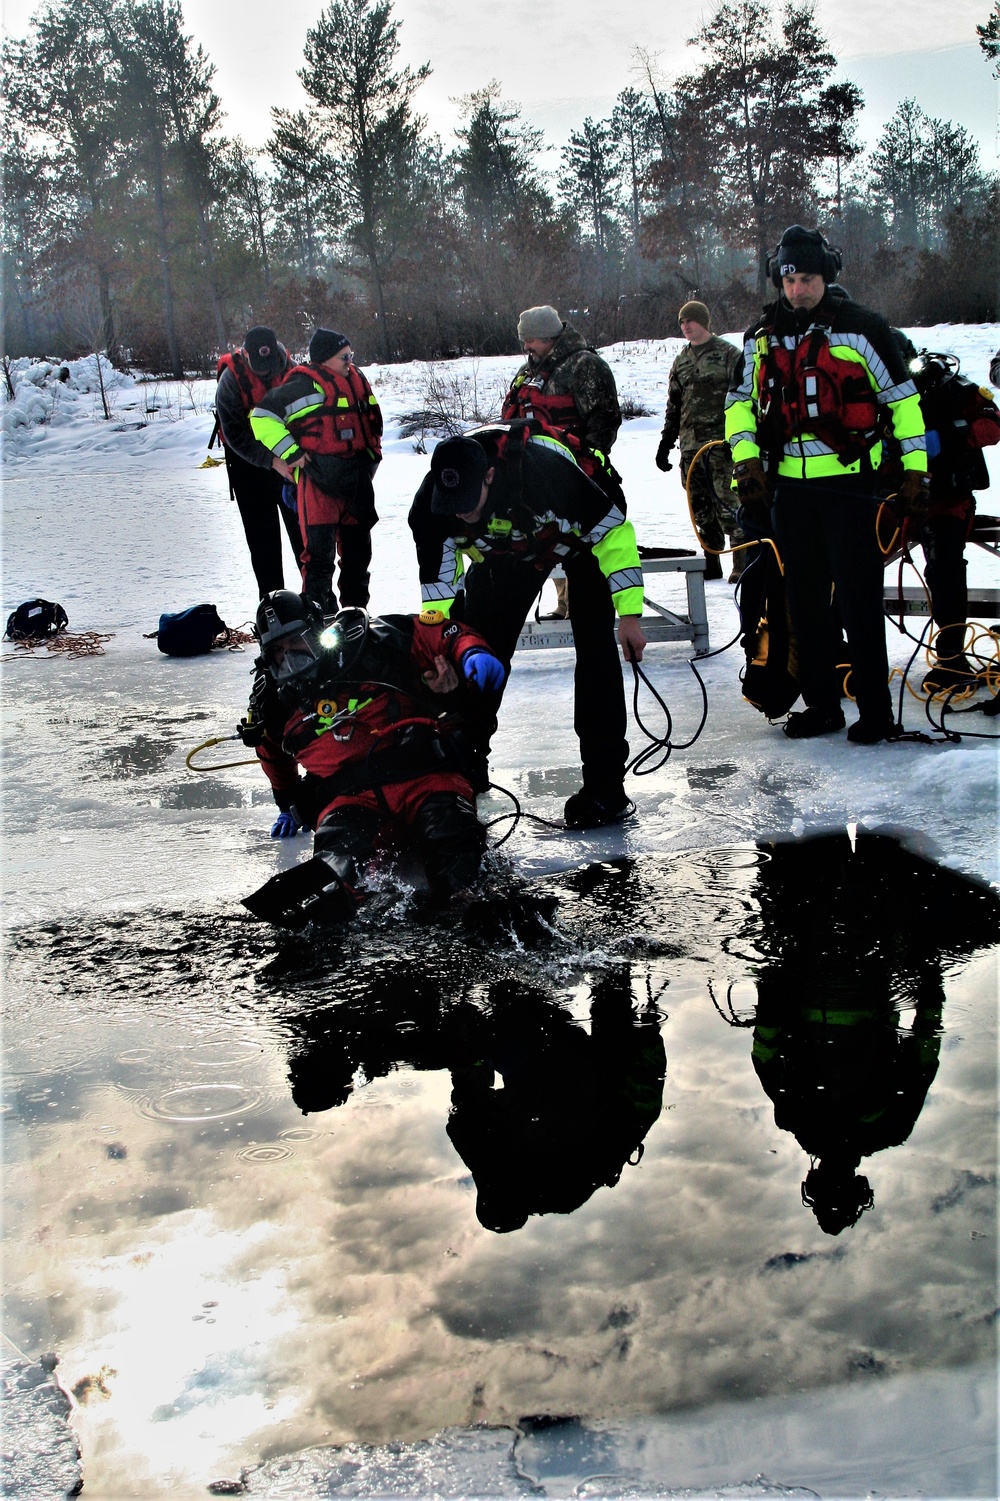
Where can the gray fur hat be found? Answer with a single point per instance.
(539, 323)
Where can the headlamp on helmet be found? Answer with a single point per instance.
(930, 370)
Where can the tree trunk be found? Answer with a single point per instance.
(209, 254)
(762, 279)
(109, 341)
(169, 321)
(380, 300)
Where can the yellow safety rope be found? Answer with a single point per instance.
(720, 552)
(222, 765)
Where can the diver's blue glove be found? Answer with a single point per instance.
(933, 440)
(290, 496)
(284, 826)
(482, 669)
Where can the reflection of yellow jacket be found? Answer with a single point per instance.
(862, 340)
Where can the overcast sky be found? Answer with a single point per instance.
(569, 62)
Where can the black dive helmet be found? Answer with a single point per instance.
(296, 639)
(288, 627)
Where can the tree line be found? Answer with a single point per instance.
(133, 223)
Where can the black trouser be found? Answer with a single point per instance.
(825, 531)
(943, 541)
(499, 593)
(445, 830)
(353, 544)
(257, 492)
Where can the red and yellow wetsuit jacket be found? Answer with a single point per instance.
(373, 723)
(814, 389)
(334, 419)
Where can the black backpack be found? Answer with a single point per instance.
(36, 619)
(192, 632)
(769, 681)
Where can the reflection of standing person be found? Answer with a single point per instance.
(818, 371)
(849, 933)
(700, 378)
(324, 422)
(517, 507)
(570, 1108)
(256, 476)
(847, 1080)
(565, 385)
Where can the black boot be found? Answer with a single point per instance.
(584, 810)
(813, 721)
(713, 567)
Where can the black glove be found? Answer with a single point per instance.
(663, 456)
(913, 498)
(755, 495)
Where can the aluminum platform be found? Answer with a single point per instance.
(660, 625)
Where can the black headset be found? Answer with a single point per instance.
(833, 259)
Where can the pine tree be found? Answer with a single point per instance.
(769, 118)
(591, 177)
(303, 186)
(190, 108)
(60, 87)
(365, 100)
(495, 164)
(920, 169)
(989, 38)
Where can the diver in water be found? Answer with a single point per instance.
(369, 709)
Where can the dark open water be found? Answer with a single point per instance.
(723, 1132)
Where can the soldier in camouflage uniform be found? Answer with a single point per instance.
(700, 377)
(565, 384)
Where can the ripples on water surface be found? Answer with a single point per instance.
(728, 1134)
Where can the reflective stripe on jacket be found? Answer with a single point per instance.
(544, 511)
(852, 360)
(316, 412)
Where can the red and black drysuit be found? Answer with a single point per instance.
(335, 420)
(380, 751)
(253, 483)
(961, 420)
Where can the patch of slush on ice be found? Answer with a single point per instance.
(41, 1457)
(457, 1462)
(903, 1442)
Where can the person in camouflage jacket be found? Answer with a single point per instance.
(700, 377)
(565, 384)
(562, 365)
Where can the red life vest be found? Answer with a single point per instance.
(253, 387)
(808, 390)
(348, 421)
(527, 399)
(555, 414)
